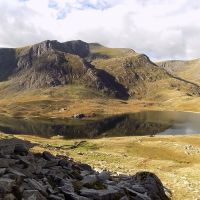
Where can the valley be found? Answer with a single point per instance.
(54, 80)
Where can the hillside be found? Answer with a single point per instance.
(48, 76)
(188, 70)
(112, 71)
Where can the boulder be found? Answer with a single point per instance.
(21, 149)
(89, 180)
(103, 176)
(48, 156)
(152, 184)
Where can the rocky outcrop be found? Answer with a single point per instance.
(40, 176)
(50, 64)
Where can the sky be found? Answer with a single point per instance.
(162, 29)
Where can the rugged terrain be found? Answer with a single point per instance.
(53, 79)
(175, 159)
(59, 79)
(26, 175)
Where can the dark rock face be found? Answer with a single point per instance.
(77, 47)
(51, 63)
(44, 176)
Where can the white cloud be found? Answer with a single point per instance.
(161, 29)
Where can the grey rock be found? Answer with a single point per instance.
(64, 162)
(86, 167)
(6, 162)
(66, 185)
(48, 156)
(31, 176)
(41, 163)
(21, 149)
(103, 176)
(45, 171)
(56, 197)
(33, 195)
(24, 160)
(152, 184)
(137, 195)
(10, 197)
(101, 194)
(85, 173)
(124, 198)
(15, 172)
(35, 185)
(73, 196)
(51, 163)
(7, 184)
(138, 188)
(2, 171)
(6, 150)
(89, 180)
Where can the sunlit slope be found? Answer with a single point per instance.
(84, 77)
(188, 70)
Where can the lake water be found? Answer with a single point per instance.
(138, 124)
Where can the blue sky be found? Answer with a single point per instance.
(167, 29)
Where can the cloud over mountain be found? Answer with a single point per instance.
(161, 29)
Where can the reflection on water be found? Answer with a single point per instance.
(143, 123)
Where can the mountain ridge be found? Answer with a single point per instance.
(115, 72)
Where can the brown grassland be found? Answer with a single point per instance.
(175, 159)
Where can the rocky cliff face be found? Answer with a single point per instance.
(116, 72)
(51, 63)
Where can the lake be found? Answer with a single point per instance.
(133, 124)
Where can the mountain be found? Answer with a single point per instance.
(188, 70)
(115, 72)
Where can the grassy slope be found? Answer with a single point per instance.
(110, 52)
(192, 71)
(175, 159)
(188, 70)
(74, 99)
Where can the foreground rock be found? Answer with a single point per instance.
(40, 176)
